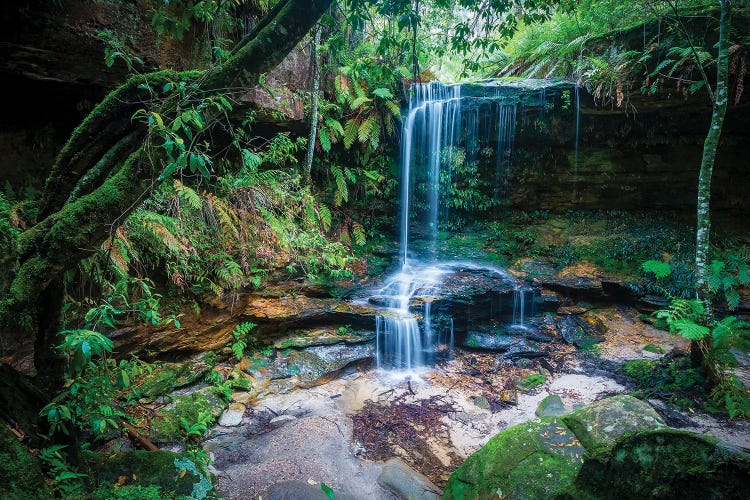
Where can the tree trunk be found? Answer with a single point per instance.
(306, 177)
(107, 168)
(703, 215)
(703, 219)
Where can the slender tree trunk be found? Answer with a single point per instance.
(414, 58)
(703, 220)
(306, 174)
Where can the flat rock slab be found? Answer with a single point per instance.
(232, 416)
(324, 336)
(298, 490)
(260, 459)
(405, 482)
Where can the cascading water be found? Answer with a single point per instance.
(442, 122)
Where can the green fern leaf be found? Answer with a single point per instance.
(689, 329)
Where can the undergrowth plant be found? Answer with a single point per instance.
(716, 339)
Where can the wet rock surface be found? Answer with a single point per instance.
(405, 482)
(575, 330)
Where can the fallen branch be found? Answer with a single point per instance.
(138, 438)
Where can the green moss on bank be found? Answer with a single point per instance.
(20, 471)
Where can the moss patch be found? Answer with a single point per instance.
(169, 376)
(20, 471)
(169, 471)
(600, 424)
(531, 381)
(201, 406)
(537, 459)
(666, 463)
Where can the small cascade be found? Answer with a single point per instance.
(519, 307)
(401, 343)
(506, 132)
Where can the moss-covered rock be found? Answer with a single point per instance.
(600, 424)
(169, 471)
(551, 406)
(614, 448)
(20, 471)
(201, 406)
(537, 459)
(666, 463)
(170, 376)
(325, 335)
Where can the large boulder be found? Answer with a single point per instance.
(172, 472)
(600, 424)
(536, 459)
(405, 482)
(542, 458)
(665, 463)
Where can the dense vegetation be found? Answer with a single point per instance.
(173, 194)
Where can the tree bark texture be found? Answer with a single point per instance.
(306, 177)
(703, 218)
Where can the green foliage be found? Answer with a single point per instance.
(327, 490)
(67, 482)
(174, 18)
(131, 492)
(726, 276)
(658, 268)
(669, 377)
(656, 349)
(592, 42)
(729, 395)
(468, 191)
(87, 401)
(531, 381)
(239, 334)
(115, 49)
(719, 342)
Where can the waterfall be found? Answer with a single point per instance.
(519, 307)
(442, 123)
(506, 133)
(436, 109)
(401, 343)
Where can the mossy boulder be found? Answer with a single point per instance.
(600, 424)
(551, 406)
(200, 406)
(20, 471)
(536, 459)
(614, 448)
(666, 463)
(172, 472)
(170, 376)
(541, 458)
